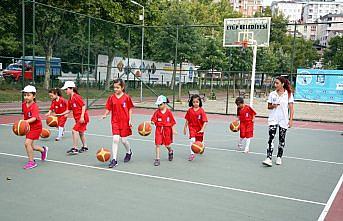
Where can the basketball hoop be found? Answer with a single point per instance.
(245, 43)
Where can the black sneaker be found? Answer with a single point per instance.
(73, 151)
(113, 163)
(128, 157)
(157, 162)
(171, 155)
(83, 149)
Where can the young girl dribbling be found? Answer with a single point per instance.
(120, 104)
(80, 114)
(164, 121)
(196, 121)
(246, 116)
(58, 106)
(31, 116)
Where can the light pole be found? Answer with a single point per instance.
(142, 56)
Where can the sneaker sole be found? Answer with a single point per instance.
(269, 165)
(112, 166)
(28, 168)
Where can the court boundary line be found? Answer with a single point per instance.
(208, 147)
(331, 199)
(292, 128)
(174, 180)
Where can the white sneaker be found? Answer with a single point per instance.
(278, 161)
(246, 150)
(267, 162)
(239, 147)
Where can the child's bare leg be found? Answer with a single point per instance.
(38, 148)
(75, 138)
(83, 139)
(158, 152)
(29, 148)
(170, 153)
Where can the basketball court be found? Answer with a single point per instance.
(222, 184)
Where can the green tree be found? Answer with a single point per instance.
(50, 26)
(213, 58)
(177, 32)
(333, 56)
(9, 29)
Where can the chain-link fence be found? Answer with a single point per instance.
(48, 45)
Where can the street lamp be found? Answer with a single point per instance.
(142, 56)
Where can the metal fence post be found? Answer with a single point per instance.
(175, 61)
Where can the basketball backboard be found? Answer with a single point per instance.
(251, 30)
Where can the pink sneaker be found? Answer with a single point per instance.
(44, 154)
(30, 165)
(191, 157)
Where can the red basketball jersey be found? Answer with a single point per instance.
(196, 119)
(59, 106)
(75, 104)
(163, 120)
(246, 114)
(32, 111)
(120, 109)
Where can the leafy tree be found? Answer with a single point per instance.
(50, 26)
(333, 56)
(177, 19)
(9, 28)
(213, 58)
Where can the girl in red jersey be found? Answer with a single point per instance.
(80, 114)
(164, 121)
(246, 115)
(31, 115)
(58, 105)
(196, 121)
(120, 104)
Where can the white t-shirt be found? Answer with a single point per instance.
(280, 114)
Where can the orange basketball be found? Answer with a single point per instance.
(103, 154)
(45, 133)
(21, 128)
(52, 121)
(144, 129)
(234, 126)
(198, 147)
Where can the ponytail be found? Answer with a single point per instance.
(286, 85)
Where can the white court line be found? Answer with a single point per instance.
(331, 199)
(175, 180)
(210, 148)
(220, 149)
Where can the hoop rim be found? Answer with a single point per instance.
(244, 43)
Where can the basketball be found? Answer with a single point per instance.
(198, 147)
(144, 129)
(234, 126)
(21, 128)
(103, 154)
(51, 121)
(45, 133)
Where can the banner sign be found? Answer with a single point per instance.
(319, 85)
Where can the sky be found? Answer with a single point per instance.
(269, 2)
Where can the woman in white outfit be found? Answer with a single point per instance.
(280, 104)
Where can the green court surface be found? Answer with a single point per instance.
(222, 184)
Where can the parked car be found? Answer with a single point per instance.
(31, 69)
